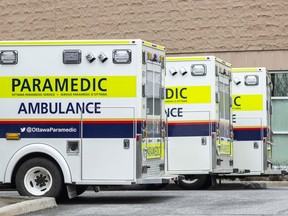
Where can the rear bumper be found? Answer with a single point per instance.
(274, 172)
(158, 180)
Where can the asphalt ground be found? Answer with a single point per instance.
(17, 205)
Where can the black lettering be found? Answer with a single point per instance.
(60, 109)
(235, 101)
(169, 93)
(15, 83)
(79, 108)
(74, 84)
(70, 108)
(44, 108)
(181, 93)
(35, 109)
(180, 112)
(61, 86)
(85, 84)
(25, 85)
(55, 108)
(36, 85)
(47, 85)
(100, 87)
(97, 107)
(87, 108)
(22, 108)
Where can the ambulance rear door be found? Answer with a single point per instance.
(189, 144)
(248, 144)
(224, 115)
(153, 148)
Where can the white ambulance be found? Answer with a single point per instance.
(198, 106)
(252, 146)
(79, 113)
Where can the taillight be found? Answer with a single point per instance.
(213, 135)
(138, 137)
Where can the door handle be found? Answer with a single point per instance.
(126, 143)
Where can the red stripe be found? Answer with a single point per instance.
(108, 122)
(40, 122)
(190, 123)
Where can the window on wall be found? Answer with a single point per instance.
(280, 117)
(279, 101)
(280, 83)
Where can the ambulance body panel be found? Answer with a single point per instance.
(94, 108)
(199, 121)
(252, 111)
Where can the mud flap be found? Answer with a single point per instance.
(71, 191)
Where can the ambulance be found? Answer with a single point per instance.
(79, 113)
(198, 107)
(252, 146)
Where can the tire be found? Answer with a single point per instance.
(80, 189)
(194, 182)
(39, 177)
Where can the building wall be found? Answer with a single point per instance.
(239, 31)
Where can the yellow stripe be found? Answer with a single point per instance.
(246, 70)
(247, 102)
(153, 45)
(250, 127)
(223, 62)
(63, 42)
(196, 58)
(188, 94)
(68, 87)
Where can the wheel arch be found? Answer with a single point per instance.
(36, 150)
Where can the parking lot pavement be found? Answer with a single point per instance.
(13, 204)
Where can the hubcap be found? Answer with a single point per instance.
(38, 181)
(190, 179)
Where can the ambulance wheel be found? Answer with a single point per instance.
(194, 182)
(39, 177)
(80, 189)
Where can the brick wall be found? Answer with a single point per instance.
(183, 26)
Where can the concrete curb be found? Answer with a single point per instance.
(272, 184)
(22, 205)
(262, 184)
(226, 185)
